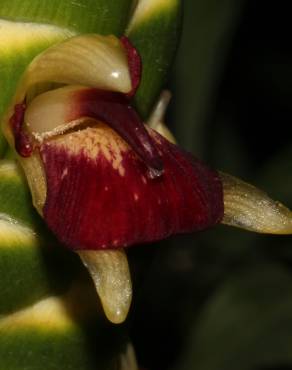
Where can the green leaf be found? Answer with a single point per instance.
(15, 198)
(37, 331)
(247, 324)
(209, 27)
(154, 30)
(30, 265)
(57, 331)
(82, 16)
(276, 176)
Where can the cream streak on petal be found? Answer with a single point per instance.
(94, 143)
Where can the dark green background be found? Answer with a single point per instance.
(222, 299)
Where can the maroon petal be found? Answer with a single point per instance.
(22, 142)
(109, 107)
(99, 196)
(135, 64)
(115, 110)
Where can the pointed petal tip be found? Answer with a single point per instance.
(249, 208)
(109, 270)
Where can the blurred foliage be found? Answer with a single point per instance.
(222, 299)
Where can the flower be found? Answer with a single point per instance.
(104, 181)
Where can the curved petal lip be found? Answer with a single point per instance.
(100, 194)
(23, 143)
(135, 64)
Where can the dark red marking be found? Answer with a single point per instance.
(22, 141)
(94, 207)
(115, 110)
(135, 64)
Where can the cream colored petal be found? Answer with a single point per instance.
(47, 115)
(249, 208)
(156, 118)
(109, 270)
(91, 60)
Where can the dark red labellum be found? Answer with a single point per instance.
(92, 205)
